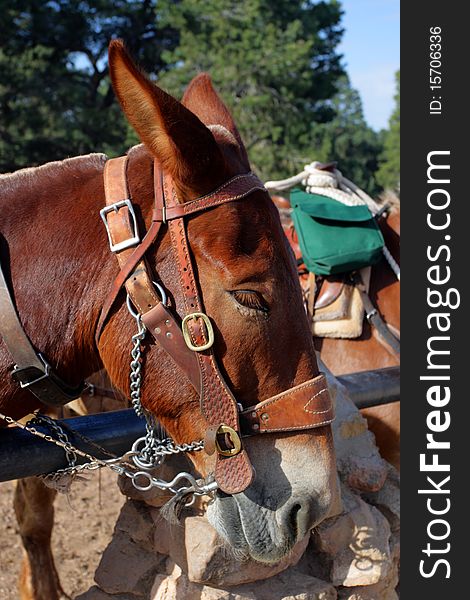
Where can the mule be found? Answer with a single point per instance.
(368, 351)
(60, 270)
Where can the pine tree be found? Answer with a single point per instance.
(388, 174)
(274, 63)
(55, 96)
(348, 140)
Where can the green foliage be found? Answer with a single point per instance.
(388, 174)
(348, 140)
(274, 64)
(55, 96)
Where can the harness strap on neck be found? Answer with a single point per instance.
(31, 370)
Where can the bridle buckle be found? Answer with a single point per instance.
(187, 334)
(130, 241)
(233, 438)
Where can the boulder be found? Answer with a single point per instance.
(289, 585)
(359, 462)
(355, 545)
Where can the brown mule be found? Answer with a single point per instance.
(60, 273)
(370, 350)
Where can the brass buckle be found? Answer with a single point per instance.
(234, 438)
(187, 335)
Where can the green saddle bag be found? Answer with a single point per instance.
(334, 238)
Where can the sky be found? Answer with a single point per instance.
(371, 54)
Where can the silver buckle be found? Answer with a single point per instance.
(131, 241)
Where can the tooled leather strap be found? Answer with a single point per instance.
(134, 273)
(234, 189)
(305, 406)
(121, 229)
(232, 473)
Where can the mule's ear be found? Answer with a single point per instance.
(202, 99)
(183, 144)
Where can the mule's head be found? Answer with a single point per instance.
(247, 277)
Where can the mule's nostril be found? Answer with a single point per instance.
(293, 516)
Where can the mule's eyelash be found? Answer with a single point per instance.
(250, 299)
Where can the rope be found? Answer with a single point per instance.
(334, 185)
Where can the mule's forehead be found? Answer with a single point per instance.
(241, 239)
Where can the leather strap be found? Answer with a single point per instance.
(305, 406)
(134, 273)
(235, 188)
(375, 319)
(218, 405)
(139, 286)
(31, 369)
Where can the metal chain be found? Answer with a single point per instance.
(147, 452)
(150, 450)
(70, 453)
(142, 480)
(136, 363)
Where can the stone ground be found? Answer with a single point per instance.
(83, 529)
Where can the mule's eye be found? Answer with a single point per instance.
(251, 299)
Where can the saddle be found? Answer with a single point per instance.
(341, 240)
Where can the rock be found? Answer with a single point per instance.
(135, 519)
(355, 544)
(387, 499)
(94, 593)
(359, 462)
(383, 590)
(289, 585)
(126, 567)
(211, 562)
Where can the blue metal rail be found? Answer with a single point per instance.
(24, 455)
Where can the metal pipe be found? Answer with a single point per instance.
(24, 455)
(373, 388)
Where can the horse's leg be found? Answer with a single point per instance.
(35, 514)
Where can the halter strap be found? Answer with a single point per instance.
(190, 344)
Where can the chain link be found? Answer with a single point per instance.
(70, 453)
(142, 480)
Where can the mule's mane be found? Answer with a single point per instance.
(52, 169)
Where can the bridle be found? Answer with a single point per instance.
(188, 343)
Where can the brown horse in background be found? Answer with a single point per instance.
(58, 265)
(368, 351)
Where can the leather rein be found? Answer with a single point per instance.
(189, 343)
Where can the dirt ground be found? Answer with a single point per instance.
(83, 528)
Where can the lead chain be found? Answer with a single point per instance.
(69, 450)
(141, 480)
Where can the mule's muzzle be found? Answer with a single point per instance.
(306, 406)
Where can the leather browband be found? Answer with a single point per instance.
(306, 406)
